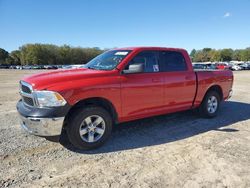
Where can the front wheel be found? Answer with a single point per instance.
(89, 128)
(210, 105)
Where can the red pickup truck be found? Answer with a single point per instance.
(117, 86)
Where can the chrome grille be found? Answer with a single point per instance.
(26, 93)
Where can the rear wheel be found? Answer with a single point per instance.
(89, 128)
(210, 105)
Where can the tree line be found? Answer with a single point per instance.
(209, 54)
(48, 54)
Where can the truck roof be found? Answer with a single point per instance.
(150, 48)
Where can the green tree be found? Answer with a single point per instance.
(3, 55)
(206, 54)
(226, 54)
(197, 56)
(245, 55)
(201, 56)
(16, 57)
(214, 55)
(192, 54)
(237, 55)
(37, 54)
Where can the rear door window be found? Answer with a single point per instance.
(172, 61)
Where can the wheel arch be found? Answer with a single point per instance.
(95, 101)
(216, 88)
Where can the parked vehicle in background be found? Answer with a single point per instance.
(72, 66)
(222, 66)
(50, 66)
(19, 67)
(204, 66)
(12, 67)
(27, 67)
(235, 68)
(211, 66)
(36, 67)
(117, 86)
(4, 66)
(244, 66)
(59, 66)
(199, 66)
(77, 66)
(66, 67)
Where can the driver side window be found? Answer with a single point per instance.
(149, 59)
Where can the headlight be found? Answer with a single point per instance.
(49, 99)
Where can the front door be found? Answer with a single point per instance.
(142, 93)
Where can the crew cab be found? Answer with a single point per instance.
(117, 86)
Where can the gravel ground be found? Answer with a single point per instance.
(177, 150)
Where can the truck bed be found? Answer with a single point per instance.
(208, 78)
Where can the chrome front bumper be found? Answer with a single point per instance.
(42, 126)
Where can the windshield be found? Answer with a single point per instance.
(108, 60)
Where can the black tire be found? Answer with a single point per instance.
(78, 117)
(204, 107)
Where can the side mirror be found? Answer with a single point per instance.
(135, 68)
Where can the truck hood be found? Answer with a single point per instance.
(45, 80)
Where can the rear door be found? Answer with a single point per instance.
(142, 93)
(179, 81)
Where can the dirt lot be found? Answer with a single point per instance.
(177, 150)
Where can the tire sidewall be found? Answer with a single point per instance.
(204, 107)
(75, 123)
